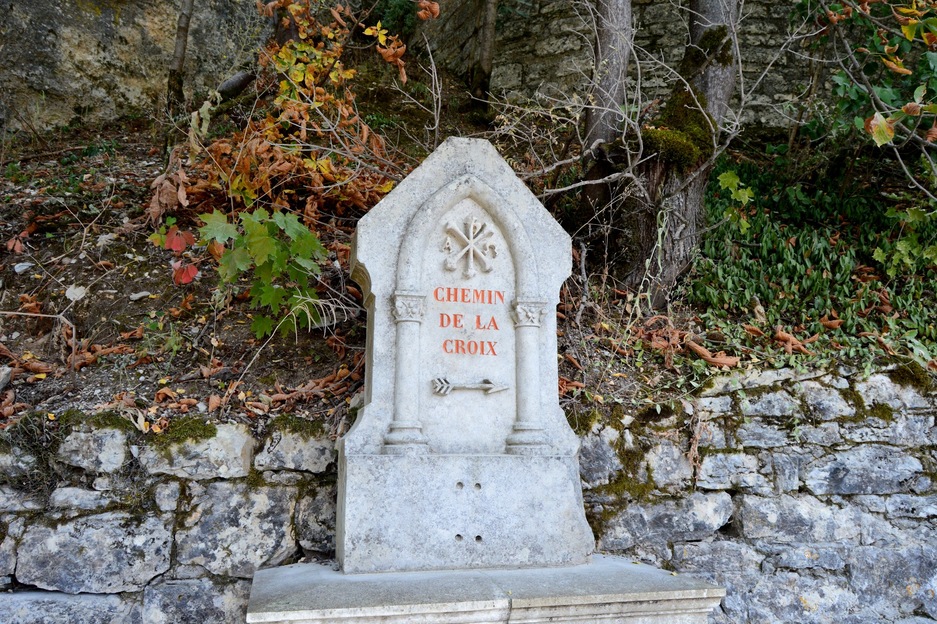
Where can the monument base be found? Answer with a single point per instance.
(607, 589)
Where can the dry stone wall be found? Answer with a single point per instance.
(544, 48)
(812, 498)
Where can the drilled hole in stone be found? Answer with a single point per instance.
(478, 486)
(459, 485)
(478, 538)
(458, 538)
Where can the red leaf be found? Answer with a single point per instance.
(177, 240)
(184, 274)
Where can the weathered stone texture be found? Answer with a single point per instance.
(99, 450)
(285, 450)
(868, 469)
(105, 553)
(226, 455)
(231, 529)
(196, 601)
(695, 517)
(102, 59)
(315, 521)
(49, 607)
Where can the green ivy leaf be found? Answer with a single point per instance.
(217, 227)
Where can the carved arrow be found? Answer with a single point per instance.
(443, 386)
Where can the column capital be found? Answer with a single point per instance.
(409, 307)
(528, 313)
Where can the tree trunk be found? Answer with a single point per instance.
(613, 40)
(175, 101)
(604, 116)
(481, 68)
(667, 225)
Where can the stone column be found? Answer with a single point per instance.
(405, 433)
(528, 437)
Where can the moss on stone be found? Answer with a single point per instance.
(107, 419)
(184, 429)
(912, 374)
(303, 427)
(882, 411)
(255, 479)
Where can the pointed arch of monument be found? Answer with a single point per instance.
(419, 230)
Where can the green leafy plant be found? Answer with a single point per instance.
(283, 256)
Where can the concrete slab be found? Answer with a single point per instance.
(610, 590)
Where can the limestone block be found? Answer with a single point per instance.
(195, 601)
(78, 498)
(826, 434)
(97, 450)
(713, 406)
(607, 589)
(285, 450)
(15, 500)
(481, 513)
(315, 521)
(786, 470)
(15, 462)
(826, 557)
(795, 519)
(105, 553)
(226, 456)
(904, 506)
(786, 596)
(10, 532)
(904, 430)
(888, 579)
(35, 607)
(668, 465)
(868, 469)
(775, 404)
(825, 403)
(692, 518)
(756, 434)
(879, 388)
(723, 471)
(232, 529)
(598, 459)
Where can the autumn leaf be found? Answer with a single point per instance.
(881, 130)
(183, 273)
(720, 359)
(177, 240)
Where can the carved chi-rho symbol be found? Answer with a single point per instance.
(474, 245)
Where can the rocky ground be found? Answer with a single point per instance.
(90, 317)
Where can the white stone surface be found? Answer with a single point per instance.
(608, 589)
(285, 450)
(461, 269)
(98, 450)
(227, 455)
(462, 511)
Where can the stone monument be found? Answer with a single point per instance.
(459, 497)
